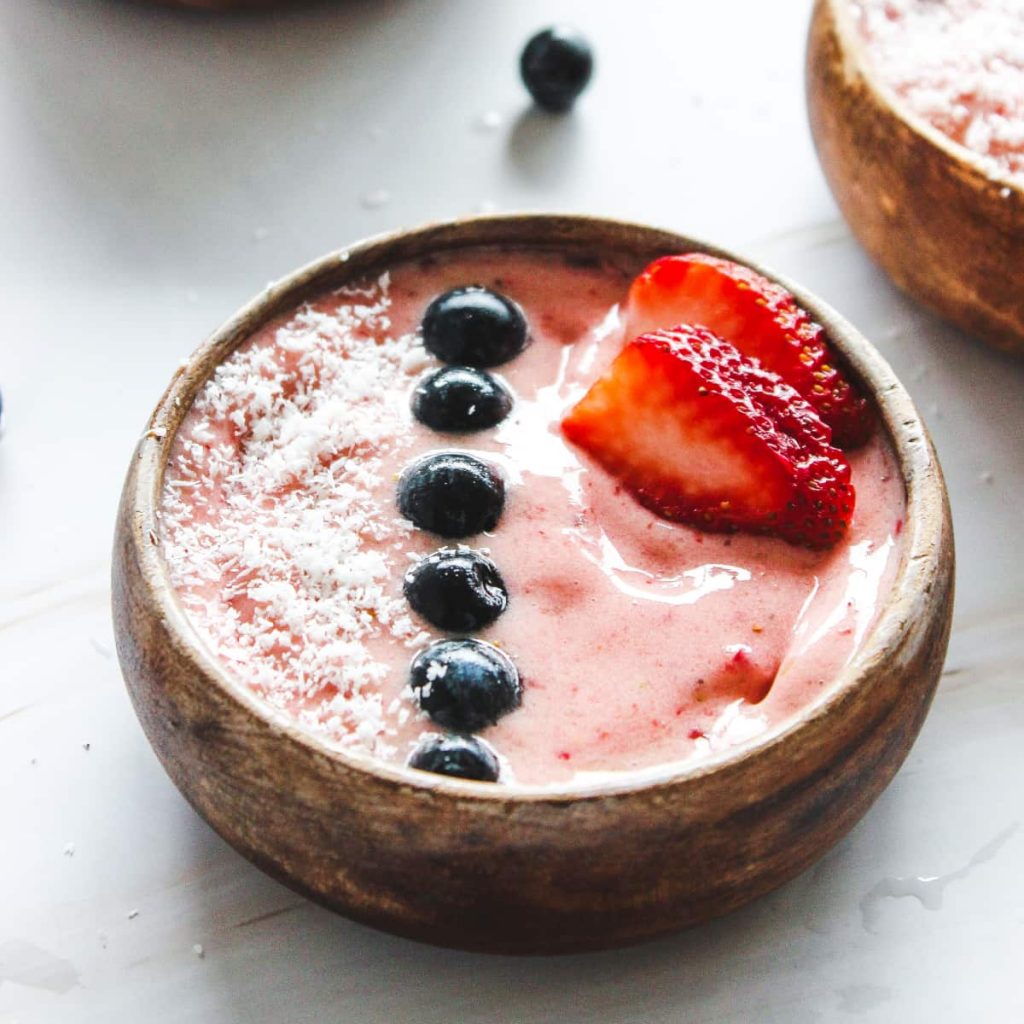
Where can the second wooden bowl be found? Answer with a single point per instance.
(492, 867)
(945, 230)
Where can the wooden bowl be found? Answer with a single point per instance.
(490, 867)
(945, 230)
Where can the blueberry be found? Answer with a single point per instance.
(463, 756)
(452, 494)
(465, 685)
(556, 66)
(460, 399)
(457, 590)
(472, 326)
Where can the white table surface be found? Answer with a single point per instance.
(157, 170)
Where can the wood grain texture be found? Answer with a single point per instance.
(945, 231)
(491, 868)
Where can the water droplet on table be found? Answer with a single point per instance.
(488, 121)
(928, 890)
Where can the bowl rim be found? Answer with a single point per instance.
(854, 48)
(925, 521)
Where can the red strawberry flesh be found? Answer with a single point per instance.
(702, 435)
(762, 320)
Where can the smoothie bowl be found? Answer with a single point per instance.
(917, 112)
(533, 583)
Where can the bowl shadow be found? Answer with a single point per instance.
(543, 149)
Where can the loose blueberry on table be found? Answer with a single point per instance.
(556, 65)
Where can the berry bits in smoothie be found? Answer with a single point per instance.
(520, 517)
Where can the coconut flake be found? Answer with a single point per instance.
(271, 526)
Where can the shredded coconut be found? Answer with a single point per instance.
(435, 670)
(271, 527)
(959, 64)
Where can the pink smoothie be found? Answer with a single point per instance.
(639, 641)
(959, 64)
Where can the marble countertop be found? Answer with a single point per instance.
(159, 169)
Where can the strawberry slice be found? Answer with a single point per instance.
(701, 434)
(762, 320)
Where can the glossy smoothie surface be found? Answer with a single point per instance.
(639, 641)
